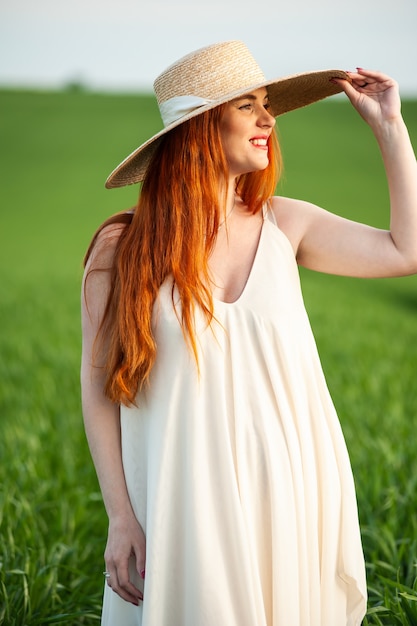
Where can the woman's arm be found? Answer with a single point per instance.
(102, 425)
(328, 243)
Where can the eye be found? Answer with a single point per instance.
(246, 107)
(267, 106)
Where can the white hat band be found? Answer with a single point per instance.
(175, 108)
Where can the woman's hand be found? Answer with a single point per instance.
(374, 95)
(125, 539)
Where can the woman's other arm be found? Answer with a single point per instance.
(329, 243)
(102, 425)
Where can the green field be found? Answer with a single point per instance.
(56, 150)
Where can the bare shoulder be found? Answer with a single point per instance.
(96, 283)
(102, 249)
(99, 262)
(292, 217)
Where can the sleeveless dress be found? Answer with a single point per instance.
(238, 472)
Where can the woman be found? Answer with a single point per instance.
(220, 457)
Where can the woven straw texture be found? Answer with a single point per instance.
(212, 73)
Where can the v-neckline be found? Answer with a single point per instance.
(250, 273)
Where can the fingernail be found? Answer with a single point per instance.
(142, 573)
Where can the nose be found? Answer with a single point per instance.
(265, 119)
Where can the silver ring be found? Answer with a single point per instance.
(106, 574)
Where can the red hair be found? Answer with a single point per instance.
(171, 232)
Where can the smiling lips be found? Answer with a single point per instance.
(259, 142)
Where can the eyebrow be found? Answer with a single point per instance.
(249, 96)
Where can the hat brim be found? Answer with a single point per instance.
(285, 94)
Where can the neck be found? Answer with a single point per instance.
(229, 207)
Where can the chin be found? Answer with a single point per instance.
(257, 167)
(260, 168)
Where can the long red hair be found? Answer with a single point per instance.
(172, 231)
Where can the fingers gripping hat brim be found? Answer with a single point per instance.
(235, 68)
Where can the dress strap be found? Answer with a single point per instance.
(268, 212)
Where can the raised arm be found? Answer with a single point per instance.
(329, 243)
(102, 425)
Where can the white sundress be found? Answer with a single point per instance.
(239, 474)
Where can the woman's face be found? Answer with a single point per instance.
(245, 127)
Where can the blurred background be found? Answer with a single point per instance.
(75, 83)
(125, 44)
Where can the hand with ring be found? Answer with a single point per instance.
(126, 541)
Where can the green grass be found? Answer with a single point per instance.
(56, 151)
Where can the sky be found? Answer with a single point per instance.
(122, 45)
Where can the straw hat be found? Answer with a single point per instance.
(212, 76)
